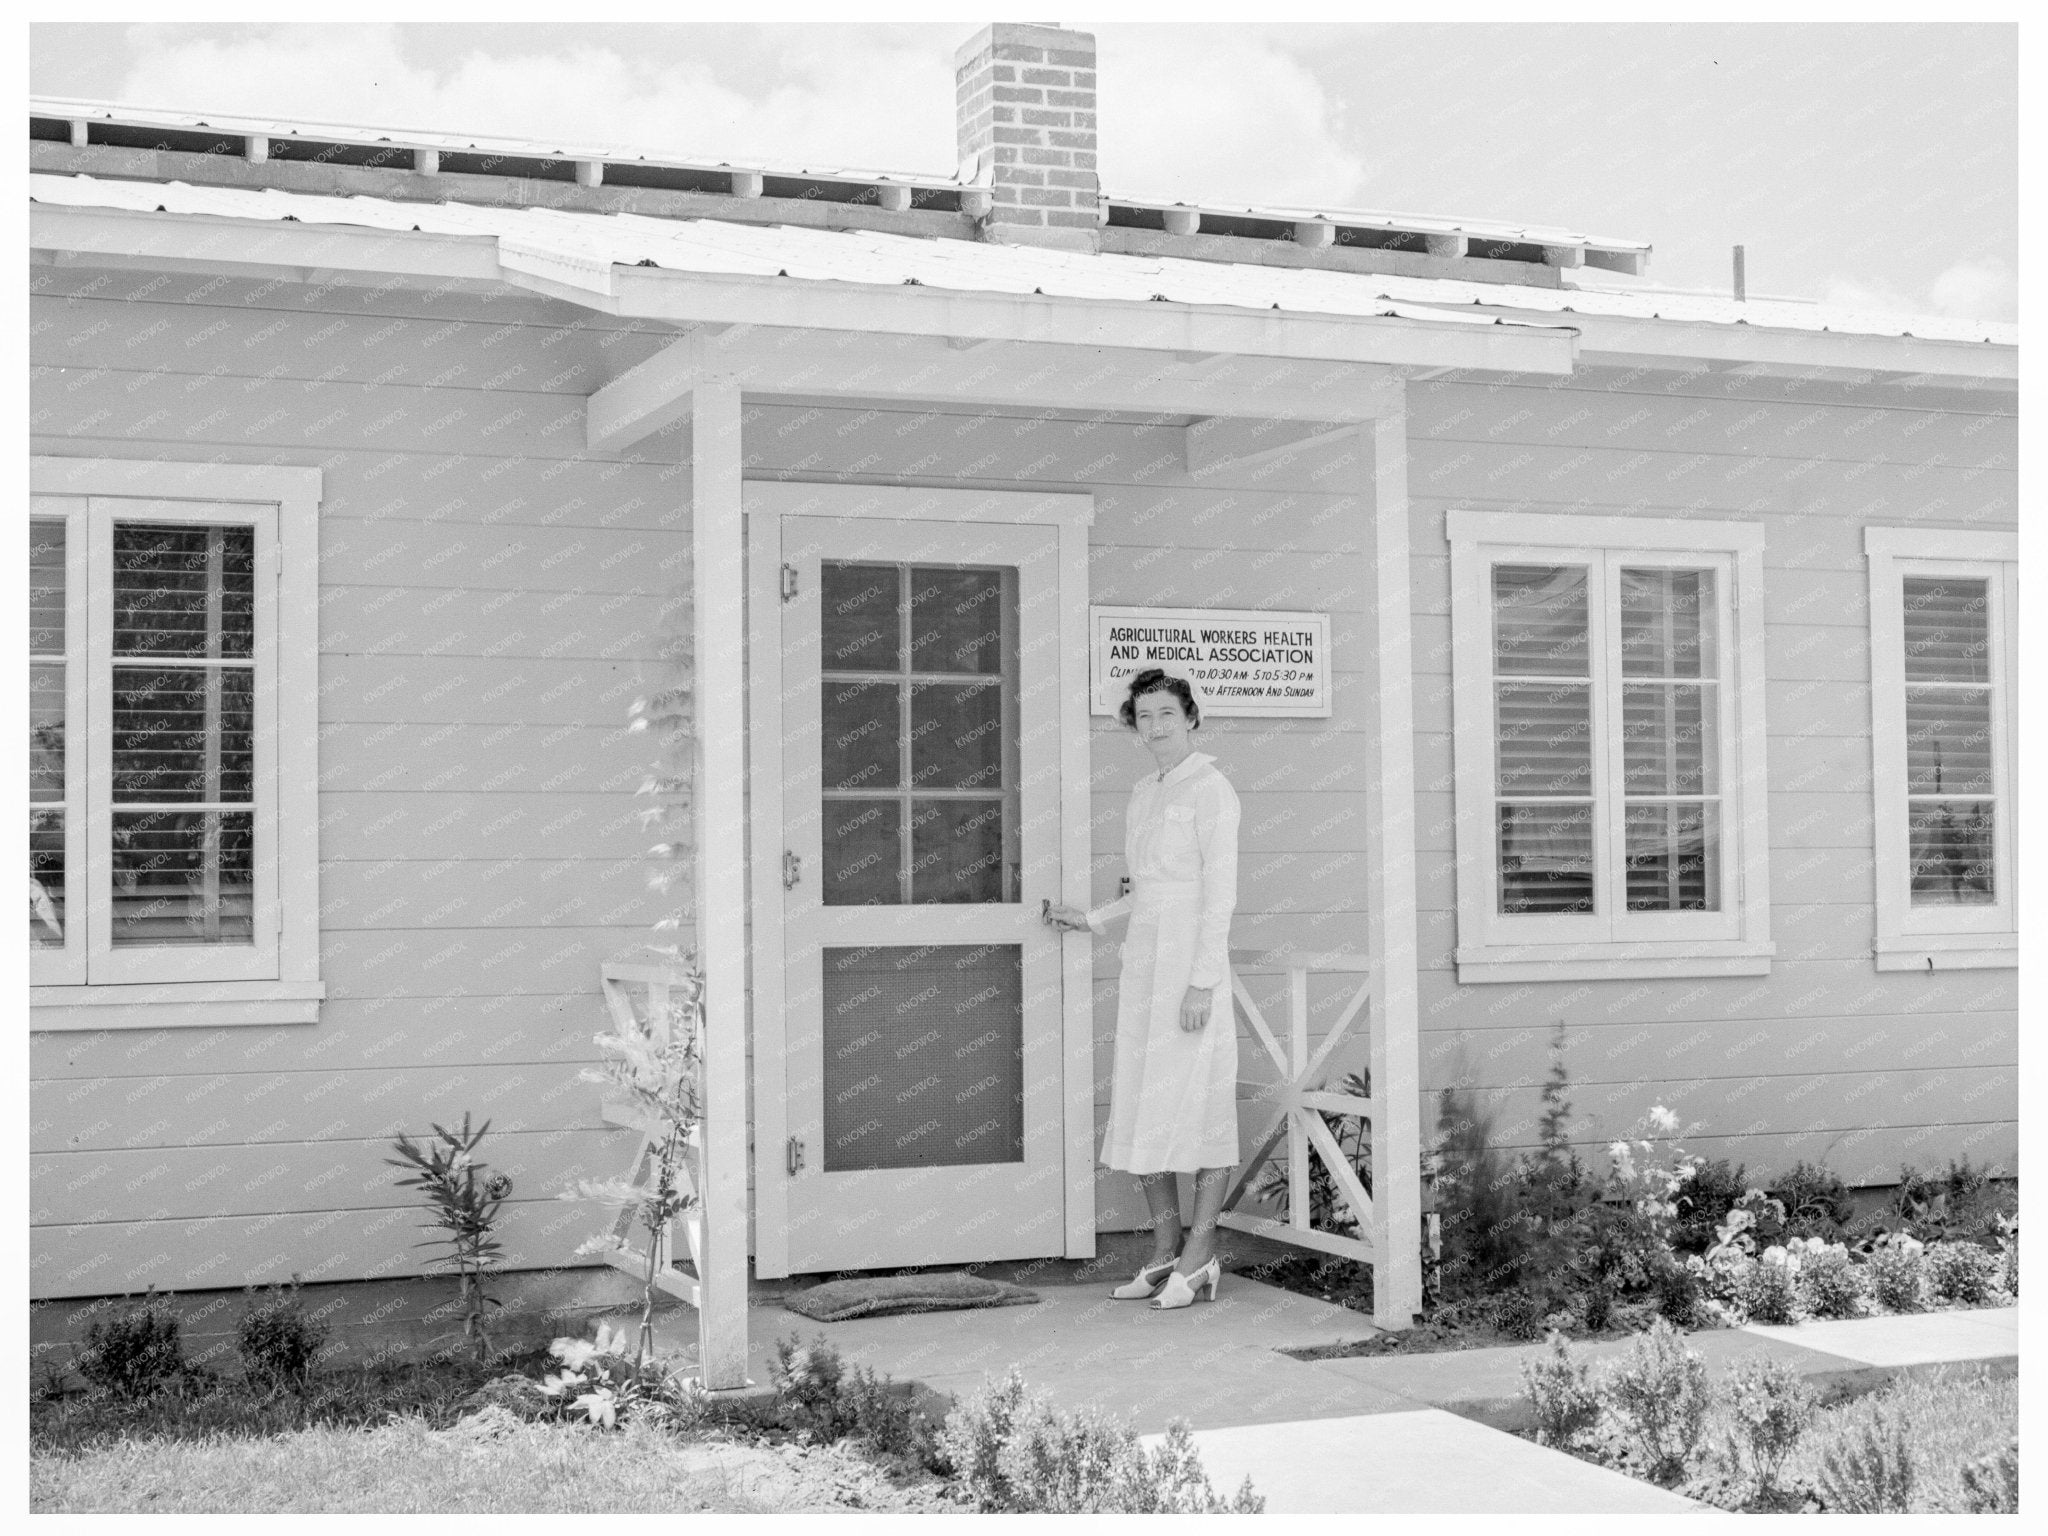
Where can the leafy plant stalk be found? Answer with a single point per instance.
(466, 1198)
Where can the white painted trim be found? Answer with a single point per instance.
(1951, 938)
(783, 498)
(766, 503)
(765, 968)
(284, 502)
(175, 1005)
(1393, 1016)
(1493, 947)
(1077, 995)
(717, 571)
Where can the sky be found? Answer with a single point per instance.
(1868, 165)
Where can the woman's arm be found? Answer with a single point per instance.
(1216, 817)
(1097, 916)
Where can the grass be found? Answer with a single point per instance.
(409, 1466)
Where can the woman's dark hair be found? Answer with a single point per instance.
(1159, 680)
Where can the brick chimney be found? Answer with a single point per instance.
(1026, 98)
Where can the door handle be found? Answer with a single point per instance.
(792, 870)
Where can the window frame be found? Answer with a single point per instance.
(1494, 946)
(1940, 938)
(88, 985)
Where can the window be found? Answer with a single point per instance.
(1942, 680)
(1608, 746)
(171, 738)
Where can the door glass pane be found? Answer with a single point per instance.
(1948, 629)
(1546, 857)
(924, 1056)
(46, 732)
(46, 586)
(183, 877)
(863, 848)
(956, 620)
(863, 735)
(862, 623)
(1539, 621)
(956, 735)
(934, 720)
(1950, 849)
(956, 850)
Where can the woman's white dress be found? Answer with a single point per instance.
(1173, 1098)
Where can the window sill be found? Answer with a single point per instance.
(175, 1005)
(1611, 962)
(1947, 952)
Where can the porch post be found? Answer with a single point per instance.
(716, 575)
(1390, 875)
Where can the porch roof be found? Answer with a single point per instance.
(580, 250)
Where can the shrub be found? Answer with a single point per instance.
(1768, 1289)
(1869, 1471)
(2009, 1254)
(1991, 1483)
(1707, 1197)
(807, 1380)
(1560, 1390)
(1769, 1409)
(1518, 1314)
(1960, 1272)
(1816, 1202)
(1830, 1283)
(1897, 1279)
(1659, 1396)
(137, 1351)
(278, 1341)
(1486, 1238)
(1014, 1452)
(1679, 1292)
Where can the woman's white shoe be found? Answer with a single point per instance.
(1181, 1290)
(1150, 1278)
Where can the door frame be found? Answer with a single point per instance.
(765, 504)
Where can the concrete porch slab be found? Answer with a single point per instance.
(1920, 1338)
(1215, 1363)
(1424, 1461)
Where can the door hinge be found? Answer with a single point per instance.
(792, 870)
(795, 1155)
(788, 582)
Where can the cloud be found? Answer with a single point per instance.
(1982, 288)
(856, 97)
(1217, 115)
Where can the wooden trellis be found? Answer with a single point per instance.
(1298, 1110)
(638, 993)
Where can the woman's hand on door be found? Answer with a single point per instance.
(1194, 1008)
(1066, 918)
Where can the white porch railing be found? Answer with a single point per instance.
(1298, 1104)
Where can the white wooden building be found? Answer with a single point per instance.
(1669, 681)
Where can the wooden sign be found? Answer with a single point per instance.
(1261, 663)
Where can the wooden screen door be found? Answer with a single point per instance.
(921, 812)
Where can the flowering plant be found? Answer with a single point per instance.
(1649, 1176)
(607, 1386)
(465, 1196)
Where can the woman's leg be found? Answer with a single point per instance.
(1210, 1185)
(1162, 1200)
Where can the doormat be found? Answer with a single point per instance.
(881, 1295)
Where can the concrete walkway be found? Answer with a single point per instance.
(1384, 1434)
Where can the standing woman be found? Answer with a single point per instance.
(1173, 1099)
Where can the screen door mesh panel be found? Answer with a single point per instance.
(923, 1056)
